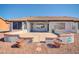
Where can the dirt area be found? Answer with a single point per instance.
(34, 48)
(37, 48)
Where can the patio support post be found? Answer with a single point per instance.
(51, 26)
(77, 27)
(11, 26)
(28, 27)
(22, 25)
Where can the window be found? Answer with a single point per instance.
(59, 26)
(39, 27)
(17, 25)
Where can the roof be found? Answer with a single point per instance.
(17, 19)
(2, 19)
(45, 18)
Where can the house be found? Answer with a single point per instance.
(41, 27)
(45, 24)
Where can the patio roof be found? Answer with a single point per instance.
(45, 18)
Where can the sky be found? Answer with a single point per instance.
(23, 10)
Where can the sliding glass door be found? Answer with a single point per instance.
(39, 27)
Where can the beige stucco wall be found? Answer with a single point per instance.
(28, 26)
(3, 25)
